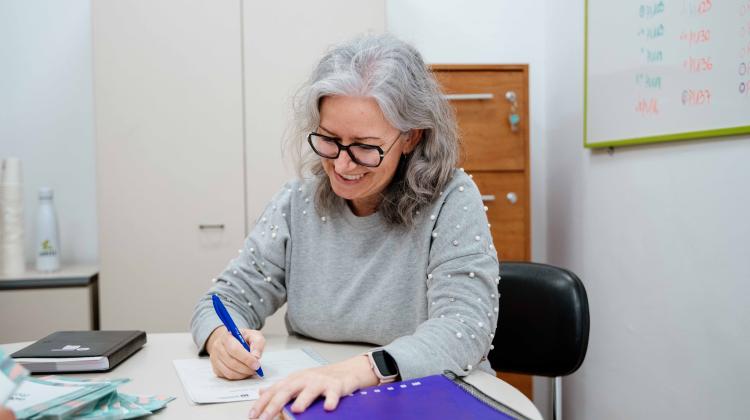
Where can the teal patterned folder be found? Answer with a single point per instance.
(11, 376)
(65, 398)
(60, 398)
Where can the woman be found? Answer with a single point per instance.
(382, 241)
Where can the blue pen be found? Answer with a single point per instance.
(223, 314)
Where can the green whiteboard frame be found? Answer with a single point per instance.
(688, 135)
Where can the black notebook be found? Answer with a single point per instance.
(80, 351)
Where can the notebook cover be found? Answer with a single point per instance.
(114, 345)
(431, 397)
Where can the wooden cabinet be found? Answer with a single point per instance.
(495, 148)
(491, 104)
(506, 196)
(489, 141)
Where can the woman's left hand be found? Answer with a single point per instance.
(331, 381)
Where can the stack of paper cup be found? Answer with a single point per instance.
(12, 259)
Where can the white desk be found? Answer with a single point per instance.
(151, 372)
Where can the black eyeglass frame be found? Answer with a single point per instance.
(341, 147)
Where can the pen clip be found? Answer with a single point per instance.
(221, 311)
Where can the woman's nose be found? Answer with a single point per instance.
(344, 162)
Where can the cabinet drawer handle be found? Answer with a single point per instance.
(217, 226)
(469, 96)
(512, 197)
(488, 198)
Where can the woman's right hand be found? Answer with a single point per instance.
(6, 414)
(229, 359)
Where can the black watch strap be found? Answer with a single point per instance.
(385, 363)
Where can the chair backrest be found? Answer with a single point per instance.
(543, 323)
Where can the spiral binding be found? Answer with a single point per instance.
(481, 396)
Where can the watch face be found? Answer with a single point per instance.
(385, 363)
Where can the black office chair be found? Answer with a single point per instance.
(543, 323)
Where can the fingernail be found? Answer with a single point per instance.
(255, 365)
(251, 415)
(263, 416)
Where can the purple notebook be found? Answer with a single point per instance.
(431, 397)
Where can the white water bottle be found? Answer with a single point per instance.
(47, 233)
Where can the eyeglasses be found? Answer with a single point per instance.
(362, 154)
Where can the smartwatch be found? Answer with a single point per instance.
(383, 365)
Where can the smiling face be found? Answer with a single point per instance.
(354, 119)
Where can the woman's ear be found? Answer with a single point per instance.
(415, 136)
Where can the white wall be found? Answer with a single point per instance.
(659, 234)
(46, 114)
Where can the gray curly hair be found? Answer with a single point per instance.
(394, 74)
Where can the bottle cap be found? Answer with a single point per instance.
(46, 192)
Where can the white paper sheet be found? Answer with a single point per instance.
(202, 386)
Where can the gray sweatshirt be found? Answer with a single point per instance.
(426, 294)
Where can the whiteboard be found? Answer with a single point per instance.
(661, 70)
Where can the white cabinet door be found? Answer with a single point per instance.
(168, 99)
